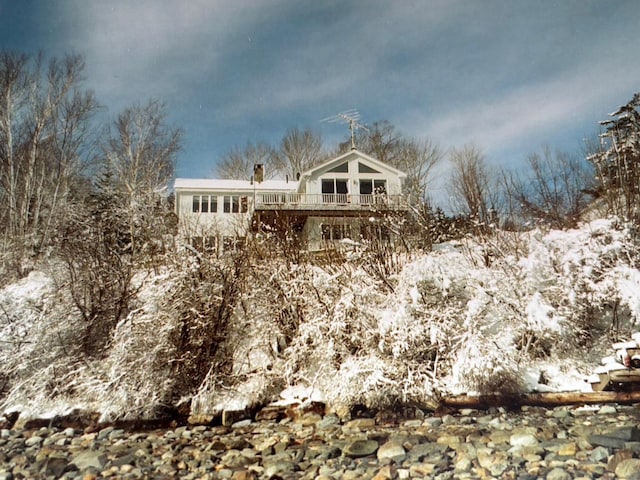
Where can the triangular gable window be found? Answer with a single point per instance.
(364, 168)
(342, 168)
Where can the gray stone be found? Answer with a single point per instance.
(560, 413)
(462, 464)
(241, 423)
(628, 467)
(89, 458)
(633, 446)
(523, 440)
(607, 410)
(328, 421)
(434, 422)
(599, 454)
(392, 450)
(277, 468)
(605, 441)
(104, 433)
(630, 434)
(558, 474)
(33, 441)
(127, 459)
(360, 448)
(361, 423)
(55, 466)
(427, 452)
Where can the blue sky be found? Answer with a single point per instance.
(506, 75)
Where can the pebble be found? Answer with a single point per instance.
(551, 444)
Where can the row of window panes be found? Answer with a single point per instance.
(339, 186)
(205, 203)
(367, 232)
(335, 232)
(210, 244)
(209, 204)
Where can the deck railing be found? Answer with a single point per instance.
(327, 200)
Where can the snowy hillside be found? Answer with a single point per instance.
(510, 313)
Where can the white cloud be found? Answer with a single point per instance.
(152, 48)
(534, 111)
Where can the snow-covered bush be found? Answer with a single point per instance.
(484, 315)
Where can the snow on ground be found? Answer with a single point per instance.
(509, 313)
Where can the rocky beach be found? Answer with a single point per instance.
(526, 443)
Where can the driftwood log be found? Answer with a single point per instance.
(539, 399)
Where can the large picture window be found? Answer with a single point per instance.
(369, 187)
(334, 190)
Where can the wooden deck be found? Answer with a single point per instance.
(329, 202)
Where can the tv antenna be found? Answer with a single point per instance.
(351, 117)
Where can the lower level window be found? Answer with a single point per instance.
(204, 244)
(374, 232)
(335, 232)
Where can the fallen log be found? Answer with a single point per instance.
(550, 399)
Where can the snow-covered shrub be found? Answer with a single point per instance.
(426, 308)
(39, 350)
(483, 366)
(234, 331)
(201, 304)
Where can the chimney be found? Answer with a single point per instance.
(258, 172)
(287, 178)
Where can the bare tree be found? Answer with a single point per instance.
(120, 229)
(554, 191)
(299, 151)
(239, 163)
(140, 150)
(417, 159)
(381, 140)
(414, 157)
(138, 158)
(44, 126)
(473, 189)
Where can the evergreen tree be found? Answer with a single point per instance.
(617, 164)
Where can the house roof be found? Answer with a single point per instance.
(224, 185)
(340, 158)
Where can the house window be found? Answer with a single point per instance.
(368, 187)
(205, 204)
(204, 244)
(232, 204)
(364, 168)
(375, 232)
(342, 168)
(333, 232)
(232, 243)
(334, 190)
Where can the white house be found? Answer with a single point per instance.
(340, 198)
